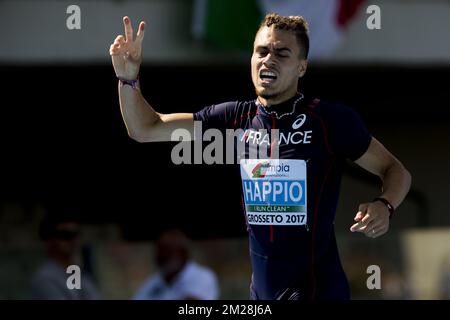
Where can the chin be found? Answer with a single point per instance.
(262, 91)
(267, 94)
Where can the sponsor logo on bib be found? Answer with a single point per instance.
(274, 191)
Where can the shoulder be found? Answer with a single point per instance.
(49, 271)
(195, 270)
(333, 114)
(145, 290)
(152, 280)
(346, 131)
(328, 108)
(237, 104)
(229, 107)
(225, 114)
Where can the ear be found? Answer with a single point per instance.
(302, 67)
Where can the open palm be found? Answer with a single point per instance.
(126, 53)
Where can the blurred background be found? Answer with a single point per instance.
(63, 142)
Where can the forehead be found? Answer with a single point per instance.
(271, 37)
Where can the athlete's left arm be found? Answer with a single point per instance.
(372, 218)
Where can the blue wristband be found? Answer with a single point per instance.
(132, 83)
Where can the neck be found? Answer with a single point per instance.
(170, 276)
(270, 101)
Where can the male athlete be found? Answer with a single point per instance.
(290, 200)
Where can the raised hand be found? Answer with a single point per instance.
(126, 53)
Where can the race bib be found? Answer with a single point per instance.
(274, 191)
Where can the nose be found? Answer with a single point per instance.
(268, 60)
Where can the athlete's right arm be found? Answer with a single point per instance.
(143, 123)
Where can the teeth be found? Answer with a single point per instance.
(268, 74)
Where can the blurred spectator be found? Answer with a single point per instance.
(179, 277)
(444, 280)
(60, 234)
(394, 286)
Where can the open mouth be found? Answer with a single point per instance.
(267, 76)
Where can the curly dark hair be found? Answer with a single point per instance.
(296, 24)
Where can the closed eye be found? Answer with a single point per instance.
(262, 53)
(283, 52)
(280, 52)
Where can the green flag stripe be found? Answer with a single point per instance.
(232, 24)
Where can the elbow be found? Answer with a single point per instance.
(405, 175)
(136, 136)
(398, 170)
(144, 133)
(408, 177)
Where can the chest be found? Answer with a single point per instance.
(302, 135)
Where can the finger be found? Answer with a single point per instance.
(359, 216)
(370, 234)
(356, 227)
(114, 49)
(375, 227)
(128, 29)
(378, 232)
(120, 39)
(368, 229)
(367, 218)
(379, 223)
(141, 32)
(365, 224)
(363, 207)
(359, 227)
(115, 46)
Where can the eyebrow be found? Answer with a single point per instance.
(283, 49)
(276, 49)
